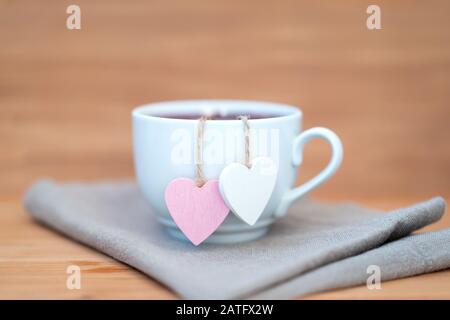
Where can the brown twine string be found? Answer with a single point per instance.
(200, 176)
(246, 140)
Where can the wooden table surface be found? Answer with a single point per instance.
(66, 97)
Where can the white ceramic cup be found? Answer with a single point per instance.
(164, 149)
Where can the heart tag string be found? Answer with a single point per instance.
(199, 175)
(247, 188)
(247, 160)
(196, 206)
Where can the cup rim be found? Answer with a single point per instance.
(154, 110)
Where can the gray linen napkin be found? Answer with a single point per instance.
(314, 248)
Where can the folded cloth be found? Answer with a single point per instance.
(314, 248)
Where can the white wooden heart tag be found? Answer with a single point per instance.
(247, 191)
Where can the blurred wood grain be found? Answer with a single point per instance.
(66, 97)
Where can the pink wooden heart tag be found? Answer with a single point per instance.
(197, 211)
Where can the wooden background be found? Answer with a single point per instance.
(66, 97)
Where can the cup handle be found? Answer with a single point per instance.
(324, 175)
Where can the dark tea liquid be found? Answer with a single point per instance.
(217, 116)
